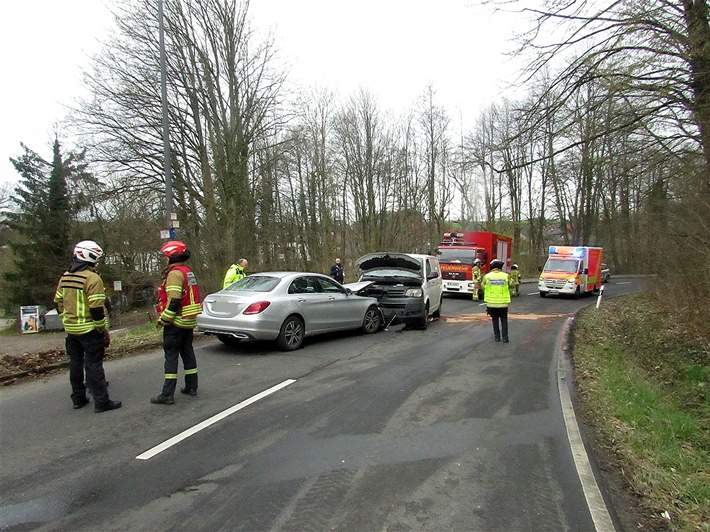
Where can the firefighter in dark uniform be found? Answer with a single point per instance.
(178, 305)
(80, 300)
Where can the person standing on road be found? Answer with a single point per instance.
(235, 272)
(80, 299)
(476, 278)
(178, 305)
(496, 294)
(337, 272)
(514, 280)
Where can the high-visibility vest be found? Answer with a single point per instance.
(190, 304)
(234, 274)
(496, 289)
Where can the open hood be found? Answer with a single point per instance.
(357, 286)
(398, 261)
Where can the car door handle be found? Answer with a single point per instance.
(301, 299)
(331, 298)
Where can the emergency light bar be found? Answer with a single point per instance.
(571, 251)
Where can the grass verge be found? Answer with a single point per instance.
(644, 388)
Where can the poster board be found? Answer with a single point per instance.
(31, 318)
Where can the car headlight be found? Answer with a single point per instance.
(572, 280)
(413, 292)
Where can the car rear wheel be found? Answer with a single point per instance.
(372, 321)
(291, 334)
(228, 340)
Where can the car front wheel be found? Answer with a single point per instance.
(437, 312)
(291, 334)
(423, 322)
(372, 321)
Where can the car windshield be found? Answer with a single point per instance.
(384, 273)
(254, 283)
(464, 256)
(565, 265)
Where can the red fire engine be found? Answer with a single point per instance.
(459, 249)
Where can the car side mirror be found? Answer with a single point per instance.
(539, 269)
(348, 292)
(586, 271)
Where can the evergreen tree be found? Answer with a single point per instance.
(42, 223)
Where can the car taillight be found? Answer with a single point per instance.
(255, 308)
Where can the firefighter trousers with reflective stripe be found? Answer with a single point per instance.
(86, 351)
(177, 343)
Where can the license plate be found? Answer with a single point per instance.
(224, 307)
(554, 291)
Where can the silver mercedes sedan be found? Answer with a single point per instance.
(286, 307)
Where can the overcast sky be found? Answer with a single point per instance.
(393, 48)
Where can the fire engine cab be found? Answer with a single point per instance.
(459, 249)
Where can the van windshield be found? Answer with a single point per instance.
(562, 265)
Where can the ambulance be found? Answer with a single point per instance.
(571, 270)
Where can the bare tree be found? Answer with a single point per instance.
(655, 49)
(434, 125)
(223, 99)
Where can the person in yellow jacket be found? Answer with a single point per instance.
(476, 277)
(178, 305)
(80, 299)
(514, 280)
(235, 273)
(496, 290)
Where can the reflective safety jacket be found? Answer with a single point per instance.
(476, 274)
(515, 277)
(496, 289)
(180, 284)
(234, 274)
(80, 299)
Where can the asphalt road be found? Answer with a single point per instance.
(440, 429)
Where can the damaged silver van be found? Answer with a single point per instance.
(407, 286)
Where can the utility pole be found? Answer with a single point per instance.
(167, 166)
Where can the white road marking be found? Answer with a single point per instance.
(592, 493)
(150, 453)
(625, 282)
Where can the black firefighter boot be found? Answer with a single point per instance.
(190, 385)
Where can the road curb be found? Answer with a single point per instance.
(592, 494)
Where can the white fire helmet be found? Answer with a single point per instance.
(88, 251)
